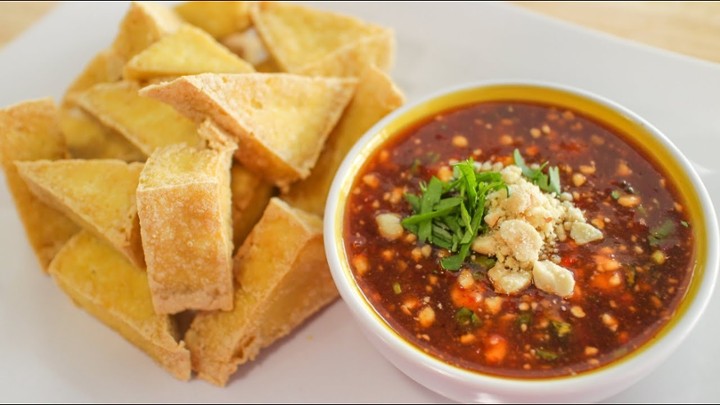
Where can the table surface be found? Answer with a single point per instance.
(688, 28)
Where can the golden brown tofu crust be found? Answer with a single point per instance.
(184, 209)
(282, 279)
(30, 131)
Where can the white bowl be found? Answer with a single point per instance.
(468, 386)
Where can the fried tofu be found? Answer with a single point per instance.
(349, 60)
(100, 280)
(250, 195)
(188, 51)
(87, 138)
(143, 24)
(307, 41)
(282, 279)
(146, 123)
(29, 131)
(250, 192)
(97, 194)
(217, 18)
(280, 121)
(184, 207)
(375, 97)
(103, 68)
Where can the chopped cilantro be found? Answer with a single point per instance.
(449, 214)
(549, 183)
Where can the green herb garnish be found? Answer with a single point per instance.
(546, 354)
(615, 194)
(547, 182)
(659, 233)
(685, 224)
(449, 214)
(562, 329)
(466, 318)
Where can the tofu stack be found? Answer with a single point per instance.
(185, 170)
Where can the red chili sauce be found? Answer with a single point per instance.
(627, 285)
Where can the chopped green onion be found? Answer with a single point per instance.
(547, 182)
(449, 214)
(685, 224)
(466, 318)
(562, 329)
(546, 354)
(615, 194)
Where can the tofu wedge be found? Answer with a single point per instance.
(217, 18)
(100, 280)
(303, 40)
(143, 24)
(103, 68)
(30, 131)
(87, 138)
(183, 201)
(146, 123)
(250, 195)
(188, 51)
(279, 121)
(282, 279)
(250, 192)
(97, 194)
(375, 97)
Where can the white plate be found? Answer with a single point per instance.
(51, 351)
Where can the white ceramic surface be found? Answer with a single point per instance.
(465, 386)
(51, 351)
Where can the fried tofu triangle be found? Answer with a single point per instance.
(376, 96)
(87, 138)
(29, 131)
(217, 18)
(100, 280)
(97, 194)
(250, 192)
(280, 121)
(314, 42)
(282, 279)
(146, 123)
(188, 51)
(103, 68)
(144, 23)
(184, 207)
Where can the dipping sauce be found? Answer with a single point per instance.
(627, 285)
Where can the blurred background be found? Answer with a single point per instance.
(690, 28)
